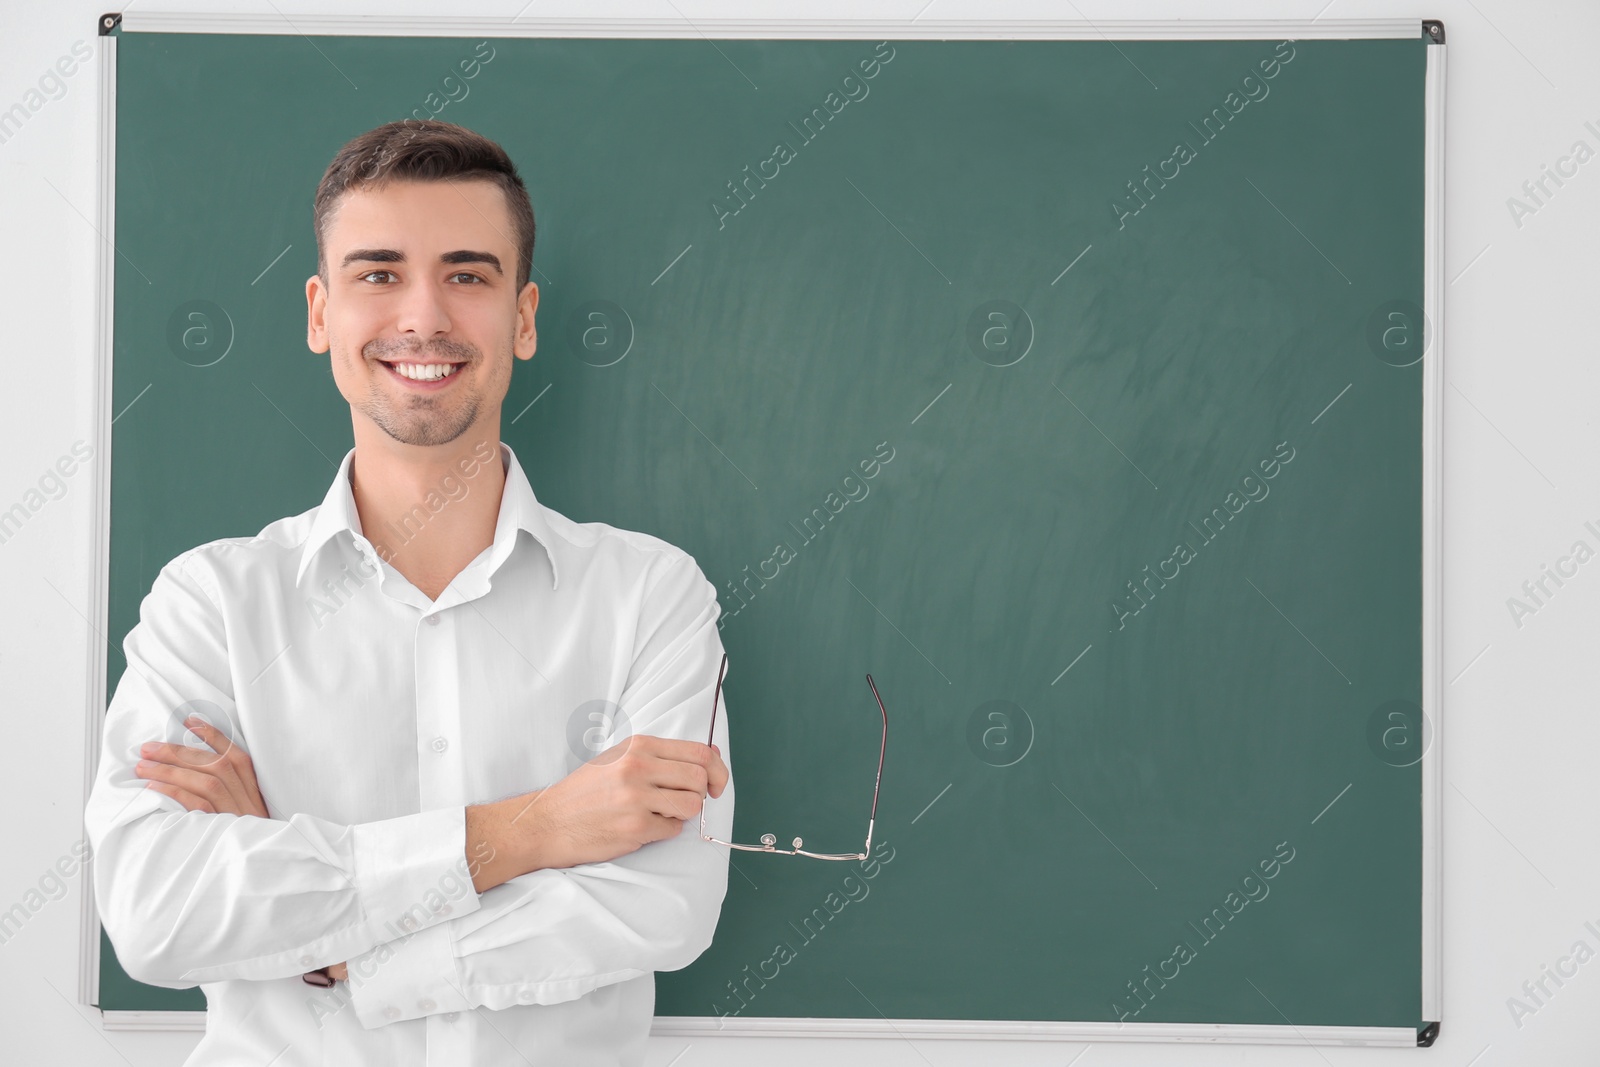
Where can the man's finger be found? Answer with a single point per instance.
(719, 778)
(199, 783)
(672, 748)
(180, 755)
(707, 756)
(716, 773)
(680, 804)
(716, 777)
(222, 744)
(187, 799)
(666, 826)
(673, 774)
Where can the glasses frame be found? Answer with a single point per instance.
(769, 842)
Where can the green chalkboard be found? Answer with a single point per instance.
(1065, 386)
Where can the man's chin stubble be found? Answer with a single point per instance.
(425, 431)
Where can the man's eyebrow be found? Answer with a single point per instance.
(390, 255)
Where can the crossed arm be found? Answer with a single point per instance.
(639, 791)
(197, 883)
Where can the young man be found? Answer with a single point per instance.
(358, 743)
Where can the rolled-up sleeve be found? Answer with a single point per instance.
(553, 935)
(190, 897)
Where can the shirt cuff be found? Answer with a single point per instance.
(407, 979)
(411, 872)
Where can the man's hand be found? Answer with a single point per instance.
(641, 790)
(222, 781)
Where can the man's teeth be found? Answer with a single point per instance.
(425, 372)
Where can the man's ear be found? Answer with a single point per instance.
(526, 339)
(316, 314)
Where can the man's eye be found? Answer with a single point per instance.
(460, 274)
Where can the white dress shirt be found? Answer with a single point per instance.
(374, 716)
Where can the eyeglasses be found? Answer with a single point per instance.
(769, 841)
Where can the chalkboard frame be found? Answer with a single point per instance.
(109, 25)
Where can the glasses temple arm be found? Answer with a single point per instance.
(716, 699)
(883, 746)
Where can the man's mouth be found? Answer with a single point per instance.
(422, 373)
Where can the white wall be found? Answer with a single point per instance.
(1521, 730)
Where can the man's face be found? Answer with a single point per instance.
(420, 308)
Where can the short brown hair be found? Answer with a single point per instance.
(424, 150)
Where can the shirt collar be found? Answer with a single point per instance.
(519, 510)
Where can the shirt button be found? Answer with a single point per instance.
(452, 1016)
(526, 995)
(440, 744)
(391, 1013)
(426, 1005)
(305, 961)
(433, 620)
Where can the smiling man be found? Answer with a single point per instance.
(414, 777)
